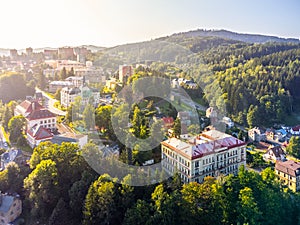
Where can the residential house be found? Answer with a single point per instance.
(288, 173)
(10, 208)
(76, 81)
(68, 95)
(80, 139)
(295, 130)
(13, 155)
(256, 134)
(35, 113)
(125, 72)
(57, 84)
(185, 120)
(38, 134)
(168, 122)
(209, 154)
(274, 154)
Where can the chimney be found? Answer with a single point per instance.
(33, 106)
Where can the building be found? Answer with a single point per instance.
(10, 208)
(295, 130)
(80, 139)
(288, 173)
(13, 53)
(168, 122)
(58, 84)
(50, 53)
(38, 134)
(229, 123)
(274, 154)
(36, 114)
(13, 155)
(256, 134)
(29, 51)
(209, 154)
(68, 95)
(76, 81)
(66, 53)
(125, 72)
(92, 75)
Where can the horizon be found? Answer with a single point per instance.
(206, 29)
(105, 23)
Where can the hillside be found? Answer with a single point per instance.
(248, 38)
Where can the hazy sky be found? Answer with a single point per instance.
(53, 23)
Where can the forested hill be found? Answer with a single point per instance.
(248, 38)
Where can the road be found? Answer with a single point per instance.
(50, 102)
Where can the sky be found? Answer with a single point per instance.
(55, 23)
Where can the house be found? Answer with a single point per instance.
(288, 173)
(125, 72)
(68, 95)
(13, 155)
(295, 130)
(209, 154)
(10, 208)
(38, 134)
(35, 113)
(274, 154)
(168, 122)
(58, 84)
(80, 139)
(256, 134)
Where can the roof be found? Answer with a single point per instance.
(289, 167)
(168, 119)
(277, 151)
(10, 156)
(28, 106)
(40, 114)
(39, 133)
(60, 82)
(296, 128)
(203, 144)
(7, 202)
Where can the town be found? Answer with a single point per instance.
(74, 102)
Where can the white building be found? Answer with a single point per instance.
(209, 154)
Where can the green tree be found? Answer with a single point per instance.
(63, 74)
(15, 127)
(177, 127)
(253, 116)
(294, 146)
(89, 117)
(41, 185)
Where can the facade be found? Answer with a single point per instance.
(10, 208)
(256, 134)
(209, 154)
(66, 53)
(76, 81)
(92, 75)
(56, 85)
(68, 95)
(36, 114)
(38, 134)
(125, 72)
(288, 173)
(274, 154)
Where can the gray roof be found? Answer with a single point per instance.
(7, 201)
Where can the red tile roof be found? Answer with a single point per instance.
(28, 106)
(39, 133)
(40, 114)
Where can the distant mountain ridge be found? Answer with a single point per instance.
(248, 38)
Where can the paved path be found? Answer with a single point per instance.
(49, 103)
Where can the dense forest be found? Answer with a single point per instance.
(61, 188)
(256, 83)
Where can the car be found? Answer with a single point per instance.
(5, 144)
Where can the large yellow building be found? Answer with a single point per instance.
(288, 173)
(209, 154)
